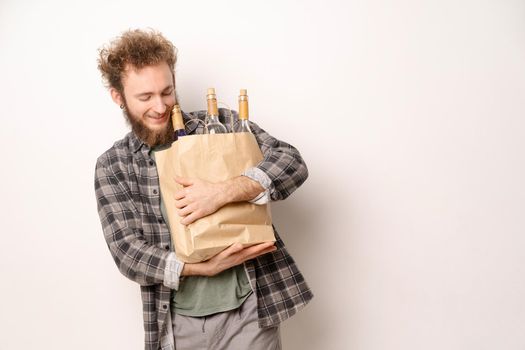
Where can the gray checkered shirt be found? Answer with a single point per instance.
(128, 197)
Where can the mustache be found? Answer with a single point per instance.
(150, 137)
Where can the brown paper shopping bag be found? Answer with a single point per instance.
(214, 158)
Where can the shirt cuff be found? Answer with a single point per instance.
(263, 179)
(172, 271)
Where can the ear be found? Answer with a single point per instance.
(116, 96)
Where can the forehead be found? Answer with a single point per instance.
(147, 79)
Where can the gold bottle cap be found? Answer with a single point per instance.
(243, 104)
(212, 102)
(243, 95)
(176, 118)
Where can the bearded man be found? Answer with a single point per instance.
(236, 299)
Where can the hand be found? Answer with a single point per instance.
(198, 199)
(232, 256)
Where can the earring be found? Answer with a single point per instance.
(122, 106)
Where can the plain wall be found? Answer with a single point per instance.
(409, 114)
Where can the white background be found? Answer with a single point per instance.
(410, 115)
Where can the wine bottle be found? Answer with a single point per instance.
(178, 124)
(243, 125)
(213, 125)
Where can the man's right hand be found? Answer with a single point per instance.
(232, 256)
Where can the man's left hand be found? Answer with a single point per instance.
(198, 198)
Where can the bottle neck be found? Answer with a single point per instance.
(213, 119)
(176, 118)
(243, 126)
(212, 107)
(243, 109)
(177, 123)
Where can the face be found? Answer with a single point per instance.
(149, 96)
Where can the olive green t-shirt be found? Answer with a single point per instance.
(200, 295)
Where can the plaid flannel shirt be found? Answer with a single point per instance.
(128, 197)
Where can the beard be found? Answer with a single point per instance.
(150, 137)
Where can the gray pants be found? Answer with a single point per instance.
(231, 330)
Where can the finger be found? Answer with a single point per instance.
(181, 203)
(260, 253)
(184, 181)
(264, 248)
(255, 250)
(231, 250)
(190, 218)
(259, 247)
(235, 247)
(187, 210)
(179, 194)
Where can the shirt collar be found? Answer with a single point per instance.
(136, 144)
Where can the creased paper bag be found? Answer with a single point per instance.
(213, 158)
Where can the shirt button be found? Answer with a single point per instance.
(167, 247)
(155, 191)
(151, 162)
(160, 220)
(165, 307)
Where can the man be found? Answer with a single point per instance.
(235, 300)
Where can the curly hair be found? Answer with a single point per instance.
(138, 48)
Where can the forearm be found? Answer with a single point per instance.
(232, 256)
(240, 189)
(196, 269)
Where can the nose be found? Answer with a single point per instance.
(159, 107)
